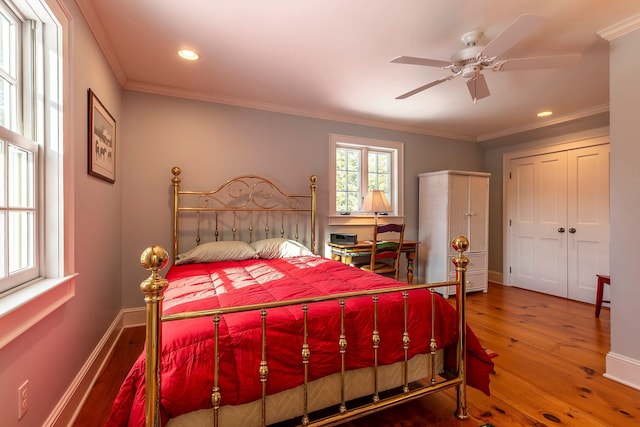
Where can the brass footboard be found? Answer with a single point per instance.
(155, 258)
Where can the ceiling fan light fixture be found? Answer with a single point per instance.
(470, 71)
(188, 54)
(544, 113)
(471, 38)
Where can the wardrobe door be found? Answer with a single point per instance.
(458, 207)
(478, 214)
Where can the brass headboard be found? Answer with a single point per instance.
(240, 198)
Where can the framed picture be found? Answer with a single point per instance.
(102, 140)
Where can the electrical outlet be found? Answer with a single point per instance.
(23, 399)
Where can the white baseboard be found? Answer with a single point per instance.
(68, 408)
(495, 276)
(133, 317)
(623, 369)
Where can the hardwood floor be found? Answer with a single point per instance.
(549, 370)
(96, 408)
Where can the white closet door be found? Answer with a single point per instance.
(588, 215)
(559, 212)
(538, 198)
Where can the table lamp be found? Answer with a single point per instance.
(375, 201)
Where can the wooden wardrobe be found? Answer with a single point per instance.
(453, 203)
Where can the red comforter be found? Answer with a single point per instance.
(187, 348)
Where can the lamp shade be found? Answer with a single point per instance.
(375, 201)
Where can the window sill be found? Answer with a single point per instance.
(25, 307)
(363, 219)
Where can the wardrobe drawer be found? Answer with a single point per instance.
(476, 281)
(477, 261)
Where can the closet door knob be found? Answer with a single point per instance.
(561, 230)
(572, 230)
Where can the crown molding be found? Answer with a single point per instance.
(626, 26)
(550, 122)
(276, 108)
(90, 15)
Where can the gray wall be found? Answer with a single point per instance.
(625, 208)
(213, 143)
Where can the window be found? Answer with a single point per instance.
(8, 68)
(18, 212)
(359, 165)
(30, 144)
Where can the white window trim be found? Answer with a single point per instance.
(398, 181)
(23, 307)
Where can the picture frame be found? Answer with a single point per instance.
(102, 140)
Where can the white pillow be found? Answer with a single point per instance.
(217, 251)
(278, 247)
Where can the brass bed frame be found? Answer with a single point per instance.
(242, 199)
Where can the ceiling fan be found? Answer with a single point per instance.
(472, 59)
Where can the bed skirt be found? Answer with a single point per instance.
(323, 393)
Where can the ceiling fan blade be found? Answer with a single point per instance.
(478, 87)
(536, 63)
(427, 86)
(523, 26)
(421, 61)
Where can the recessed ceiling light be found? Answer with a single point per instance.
(545, 113)
(188, 54)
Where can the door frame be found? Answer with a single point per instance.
(506, 169)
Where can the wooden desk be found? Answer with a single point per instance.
(346, 252)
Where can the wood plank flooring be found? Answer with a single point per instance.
(549, 370)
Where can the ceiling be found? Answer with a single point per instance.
(330, 59)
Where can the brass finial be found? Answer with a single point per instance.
(460, 244)
(154, 258)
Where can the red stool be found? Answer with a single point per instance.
(602, 280)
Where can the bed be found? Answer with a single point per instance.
(250, 327)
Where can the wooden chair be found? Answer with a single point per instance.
(385, 255)
(602, 280)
